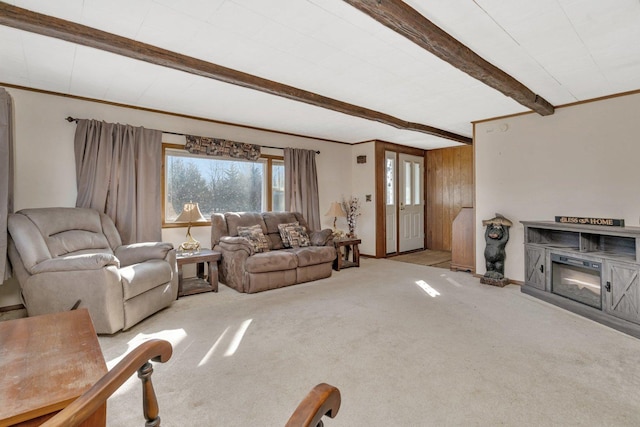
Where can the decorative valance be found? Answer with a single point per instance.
(222, 148)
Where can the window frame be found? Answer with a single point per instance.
(269, 161)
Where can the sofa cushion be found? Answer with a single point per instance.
(286, 242)
(243, 219)
(255, 236)
(272, 220)
(271, 261)
(296, 236)
(139, 278)
(313, 255)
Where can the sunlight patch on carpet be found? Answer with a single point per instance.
(453, 282)
(215, 345)
(174, 336)
(237, 338)
(428, 289)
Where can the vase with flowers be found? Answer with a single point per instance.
(352, 209)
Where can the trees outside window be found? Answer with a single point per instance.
(220, 185)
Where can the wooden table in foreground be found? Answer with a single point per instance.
(46, 362)
(198, 284)
(350, 244)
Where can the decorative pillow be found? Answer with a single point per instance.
(255, 236)
(284, 236)
(297, 236)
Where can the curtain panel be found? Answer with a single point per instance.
(6, 178)
(118, 172)
(221, 148)
(301, 185)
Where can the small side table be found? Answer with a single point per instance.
(198, 284)
(350, 245)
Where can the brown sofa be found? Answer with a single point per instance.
(245, 270)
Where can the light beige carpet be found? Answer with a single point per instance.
(428, 257)
(452, 353)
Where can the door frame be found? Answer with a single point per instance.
(380, 148)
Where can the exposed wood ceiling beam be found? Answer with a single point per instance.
(27, 20)
(409, 23)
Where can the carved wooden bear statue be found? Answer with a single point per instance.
(496, 237)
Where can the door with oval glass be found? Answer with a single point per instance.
(411, 203)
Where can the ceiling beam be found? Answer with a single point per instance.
(27, 20)
(408, 22)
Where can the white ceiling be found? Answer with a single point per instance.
(563, 50)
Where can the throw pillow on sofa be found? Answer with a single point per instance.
(297, 236)
(283, 234)
(255, 236)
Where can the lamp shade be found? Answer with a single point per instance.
(335, 210)
(190, 213)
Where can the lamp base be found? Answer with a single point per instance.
(191, 245)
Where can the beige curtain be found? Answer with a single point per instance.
(301, 185)
(118, 170)
(6, 177)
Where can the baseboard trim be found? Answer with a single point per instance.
(11, 308)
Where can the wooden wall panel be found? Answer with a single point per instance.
(449, 184)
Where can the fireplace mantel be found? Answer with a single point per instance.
(616, 249)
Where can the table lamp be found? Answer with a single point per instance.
(335, 210)
(190, 213)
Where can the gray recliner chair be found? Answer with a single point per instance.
(62, 256)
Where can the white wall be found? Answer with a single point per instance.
(45, 165)
(581, 161)
(363, 177)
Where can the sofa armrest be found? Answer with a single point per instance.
(229, 243)
(76, 262)
(322, 237)
(141, 252)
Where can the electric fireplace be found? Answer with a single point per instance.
(591, 270)
(577, 279)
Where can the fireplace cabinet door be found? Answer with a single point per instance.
(622, 291)
(535, 268)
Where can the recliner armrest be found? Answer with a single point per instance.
(76, 262)
(322, 237)
(141, 252)
(229, 243)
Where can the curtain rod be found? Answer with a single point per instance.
(71, 119)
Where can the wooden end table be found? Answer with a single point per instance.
(198, 284)
(350, 245)
(47, 362)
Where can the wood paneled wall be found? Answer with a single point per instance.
(449, 187)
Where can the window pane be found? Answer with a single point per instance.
(277, 186)
(216, 185)
(416, 184)
(390, 182)
(407, 183)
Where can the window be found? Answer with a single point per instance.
(407, 183)
(391, 170)
(417, 179)
(220, 185)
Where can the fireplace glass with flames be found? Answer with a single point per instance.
(577, 279)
